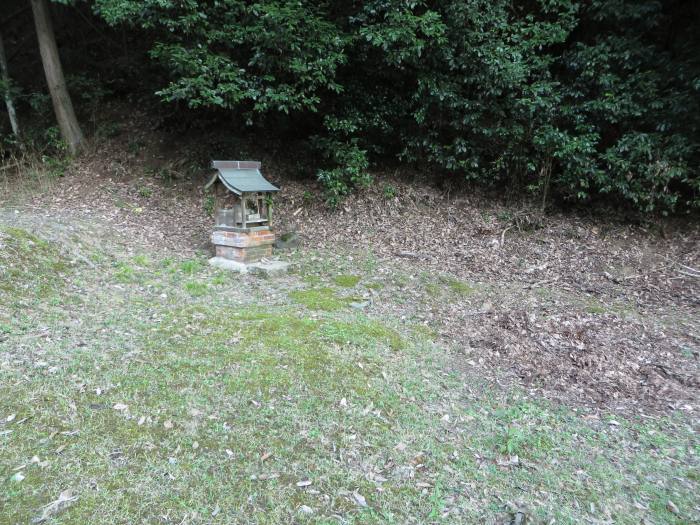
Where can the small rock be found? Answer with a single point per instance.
(305, 509)
(359, 499)
(226, 264)
(360, 306)
(268, 268)
(17, 477)
(672, 507)
(487, 308)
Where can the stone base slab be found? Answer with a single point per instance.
(265, 268)
(228, 264)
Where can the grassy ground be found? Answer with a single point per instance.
(159, 390)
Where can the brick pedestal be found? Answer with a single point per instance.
(244, 247)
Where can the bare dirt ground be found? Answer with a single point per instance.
(587, 311)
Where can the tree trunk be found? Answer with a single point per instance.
(62, 105)
(5, 76)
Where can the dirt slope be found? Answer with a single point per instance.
(583, 310)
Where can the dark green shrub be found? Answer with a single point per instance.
(577, 100)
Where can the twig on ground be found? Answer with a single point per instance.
(9, 166)
(687, 270)
(503, 235)
(408, 255)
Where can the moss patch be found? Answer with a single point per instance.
(596, 309)
(363, 333)
(320, 299)
(153, 409)
(30, 267)
(346, 281)
(426, 332)
(457, 286)
(446, 284)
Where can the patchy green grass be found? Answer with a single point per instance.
(30, 268)
(125, 273)
(152, 406)
(346, 281)
(425, 332)
(400, 280)
(141, 260)
(457, 286)
(363, 331)
(325, 299)
(596, 309)
(191, 266)
(311, 279)
(196, 288)
(620, 309)
(221, 277)
(433, 290)
(445, 285)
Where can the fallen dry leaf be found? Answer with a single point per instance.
(65, 500)
(359, 499)
(18, 476)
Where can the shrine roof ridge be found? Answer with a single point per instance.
(241, 176)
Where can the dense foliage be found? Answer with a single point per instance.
(577, 99)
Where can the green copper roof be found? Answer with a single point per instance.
(241, 177)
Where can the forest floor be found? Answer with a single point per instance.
(430, 358)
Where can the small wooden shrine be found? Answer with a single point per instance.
(243, 211)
